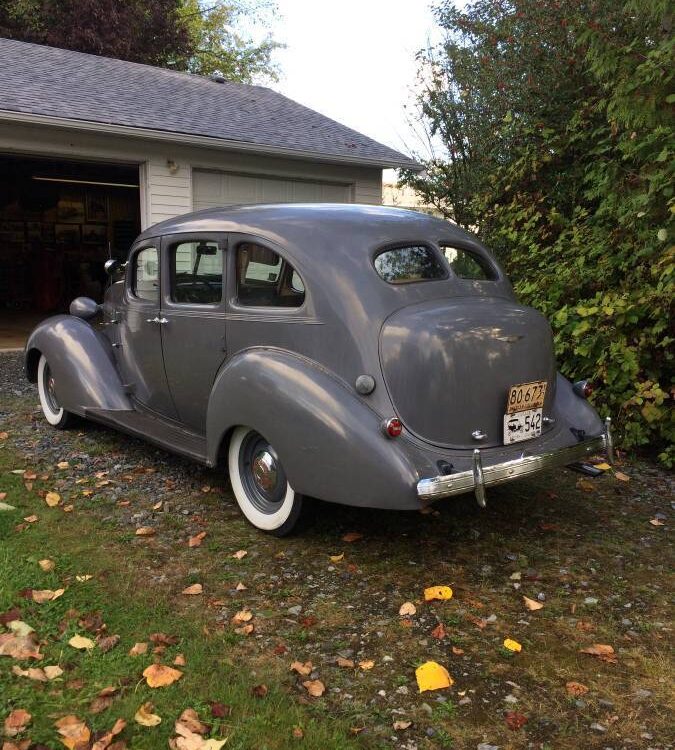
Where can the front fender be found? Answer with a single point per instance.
(82, 362)
(328, 439)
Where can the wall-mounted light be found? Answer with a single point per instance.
(171, 166)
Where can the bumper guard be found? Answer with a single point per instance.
(480, 477)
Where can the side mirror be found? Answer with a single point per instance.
(112, 266)
(84, 307)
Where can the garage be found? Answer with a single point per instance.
(212, 189)
(59, 222)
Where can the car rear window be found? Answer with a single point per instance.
(468, 265)
(409, 263)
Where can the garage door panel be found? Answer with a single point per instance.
(213, 189)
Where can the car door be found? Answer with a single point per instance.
(140, 338)
(193, 306)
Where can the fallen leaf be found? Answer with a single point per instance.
(308, 621)
(337, 558)
(33, 673)
(302, 669)
(406, 609)
(244, 615)
(621, 476)
(31, 519)
(347, 663)
(108, 643)
(19, 646)
(457, 651)
(532, 604)
(145, 717)
(603, 466)
(74, 731)
(279, 649)
(352, 536)
(437, 592)
(53, 671)
(157, 506)
(366, 664)
(16, 722)
(100, 703)
(164, 639)
(439, 631)
(298, 733)
(656, 522)
(401, 725)
(240, 554)
(575, 688)
(6, 506)
(62, 465)
(138, 649)
(194, 590)
(601, 650)
(83, 578)
(220, 710)
(103, 743)
(479, 622)
(180, 660)
(515, 720)
(4, 435)
(315, 688)
(46, 595)
(47, 565)
(145, 531)
(245, 629)
(52, 499)
(512, 645)
(259, 691)
(240, 587)
(159, 675)
(29, 474)
(190, 720)
(79, 641)
(585, 485)
(197, 539)
(432, 676)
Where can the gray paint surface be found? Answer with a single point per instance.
(442, 354)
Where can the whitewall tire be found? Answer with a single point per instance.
(259, 483)
(54, 413)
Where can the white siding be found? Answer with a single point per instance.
(168, 193)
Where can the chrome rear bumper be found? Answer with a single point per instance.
(480, 477)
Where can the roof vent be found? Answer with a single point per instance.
(217, 78)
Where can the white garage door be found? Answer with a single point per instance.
(212, 189)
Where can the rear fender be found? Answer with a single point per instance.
(82, 362)
(574, 412)
(329, 441)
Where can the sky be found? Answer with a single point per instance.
(354, 61)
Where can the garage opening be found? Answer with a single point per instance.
(59, 222)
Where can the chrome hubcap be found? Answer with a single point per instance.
(264, 469)
(50, 390)
(261, 473)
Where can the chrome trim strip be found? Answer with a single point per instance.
(480, 476)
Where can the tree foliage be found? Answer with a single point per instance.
(183, 35)
(555, 121)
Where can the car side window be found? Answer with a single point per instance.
(468, 265)
(409, 263)
(145, 284)
(265, 279)
(196, 273)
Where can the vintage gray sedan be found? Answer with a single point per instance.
(363, 355)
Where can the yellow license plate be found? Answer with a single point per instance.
(526, 396)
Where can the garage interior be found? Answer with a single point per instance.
(59, 222)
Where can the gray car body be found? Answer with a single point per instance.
(442, 353)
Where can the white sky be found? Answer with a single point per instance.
(354, 61)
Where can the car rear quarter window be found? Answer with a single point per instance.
(265, 279)
(409, 263)
(468, 265)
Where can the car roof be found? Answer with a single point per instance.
(299, 223)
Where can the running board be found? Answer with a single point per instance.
(157, 431)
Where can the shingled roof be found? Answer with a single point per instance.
(63, 85)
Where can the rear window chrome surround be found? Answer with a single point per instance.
(441, 263)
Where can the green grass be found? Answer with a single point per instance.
(132, 607)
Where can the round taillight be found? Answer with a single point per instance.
(393, 427)
(583, 388)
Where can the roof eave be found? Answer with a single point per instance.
(189, 139)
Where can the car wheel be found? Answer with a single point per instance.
(260, 485)
(54, 413)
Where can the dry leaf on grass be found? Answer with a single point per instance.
(62, 465)
(158, 505)
(302, 669)
(194, 590)
(145, 531)
(197, 539)
(298, 733)
(601, 650)
(346, 663)
(621, 476)
(74, 732)
(656, 522)
(432, 676)
(159, 675)
(401, 725)
(366, 664)
(52, 499)
(245, 629)
(104, 742)
(31, 519)
(457, 651)
(33, 673)
(240, 554)
(190, 720)
(80, 642)
(244, 615)
(352, 536)
(240, 587)
(108, 642)
(47, 565)
(512, 645)
(19, 646)
(145, 717)
(53, 671)
(441, 593)
(532, 604)
(315, 688)
(180, 660)
(259, 691)
(16, 722)
(138, 648)
(337, 558)
(46, 595)
(515, 720)
(575, 689)
(83, 578)
(406, 609)
(439, 632)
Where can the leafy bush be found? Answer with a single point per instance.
(575, 195)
